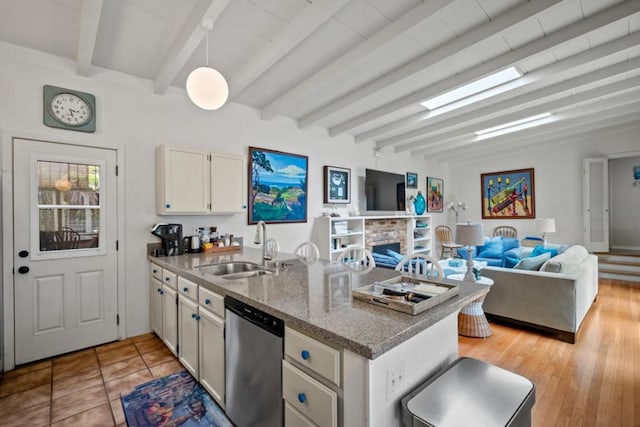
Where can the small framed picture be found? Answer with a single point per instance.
(337, 185)
(435, 194)
(412, 180)
(636, 172)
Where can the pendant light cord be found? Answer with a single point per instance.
(207, 49)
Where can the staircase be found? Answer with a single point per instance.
(619, 265)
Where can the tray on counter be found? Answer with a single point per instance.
(436, 292)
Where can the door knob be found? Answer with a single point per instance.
(23, 270)
(23, 254)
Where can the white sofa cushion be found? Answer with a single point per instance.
(567, 262)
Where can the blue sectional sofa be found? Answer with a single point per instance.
(494, 251)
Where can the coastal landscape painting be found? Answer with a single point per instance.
(508, 194)
(278, 186)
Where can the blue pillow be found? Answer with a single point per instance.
(462, 252)
(539, 250)
(511, 257)
(395, 254)
(510, 243)
(532, 263)
(493, 249)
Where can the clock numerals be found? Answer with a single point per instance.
(70, 109)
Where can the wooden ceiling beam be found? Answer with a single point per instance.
(536, 47)
(605, 109)
(599, 52)
(574, 127)
(466, 42)
(187, 42)
(307, 22)
(468, 132)
(348, 62)
(91, 11)
(457, 123)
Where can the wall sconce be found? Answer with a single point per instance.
(457, 207)
(206, 87)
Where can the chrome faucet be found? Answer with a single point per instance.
(258, 239)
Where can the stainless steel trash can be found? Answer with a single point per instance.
(470, 392)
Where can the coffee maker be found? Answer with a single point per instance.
(171, 237)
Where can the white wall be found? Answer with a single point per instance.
(558, 179)
(625, 203)
(131, 117)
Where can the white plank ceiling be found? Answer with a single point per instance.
(361, 67)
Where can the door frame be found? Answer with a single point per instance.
(7, 346)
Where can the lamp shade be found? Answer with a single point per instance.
(207, 88)
(545, 225)
(470, 234)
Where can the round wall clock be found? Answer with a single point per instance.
(69, 109)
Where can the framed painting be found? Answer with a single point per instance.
(435, 194)
(277, 186)
(636, 172)
(508, 194)
(337, 185)
(412, 180)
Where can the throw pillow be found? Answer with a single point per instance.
(493, 249)
(551, 266)
(510, 243)
(539, 250)
(512, 257)
(532, 263)
(394, 254)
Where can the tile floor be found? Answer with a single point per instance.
(82, 388)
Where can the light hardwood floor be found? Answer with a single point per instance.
(595, 382)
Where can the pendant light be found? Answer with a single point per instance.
(206, 87)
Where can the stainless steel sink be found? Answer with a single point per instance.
(235, 270)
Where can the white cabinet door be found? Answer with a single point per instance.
(182, 181)
(188, 319)
(156, 293)
(212, 354)
(228, 183)
(170, 319)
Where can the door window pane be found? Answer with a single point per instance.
(68, 205)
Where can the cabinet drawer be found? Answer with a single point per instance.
(313, 354)
(156, 271)
(170, 279)
(312, 399)
(211, 301)
(187, 288)
(293, 418)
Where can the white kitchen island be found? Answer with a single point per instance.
(366, 357)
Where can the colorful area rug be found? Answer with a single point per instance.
(174, 400)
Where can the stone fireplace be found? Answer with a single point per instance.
(385, 231)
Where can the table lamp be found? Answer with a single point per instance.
(545, 226)
(469, 235)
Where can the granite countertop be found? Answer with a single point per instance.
(316, 299)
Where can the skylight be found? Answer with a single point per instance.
(473, 88)
(515, 126)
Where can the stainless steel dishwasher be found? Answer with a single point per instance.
(253, 353)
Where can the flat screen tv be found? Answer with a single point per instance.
(384, 191)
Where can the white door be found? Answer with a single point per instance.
(65, 261)
(596, 205)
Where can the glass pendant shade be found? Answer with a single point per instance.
(207, 88)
